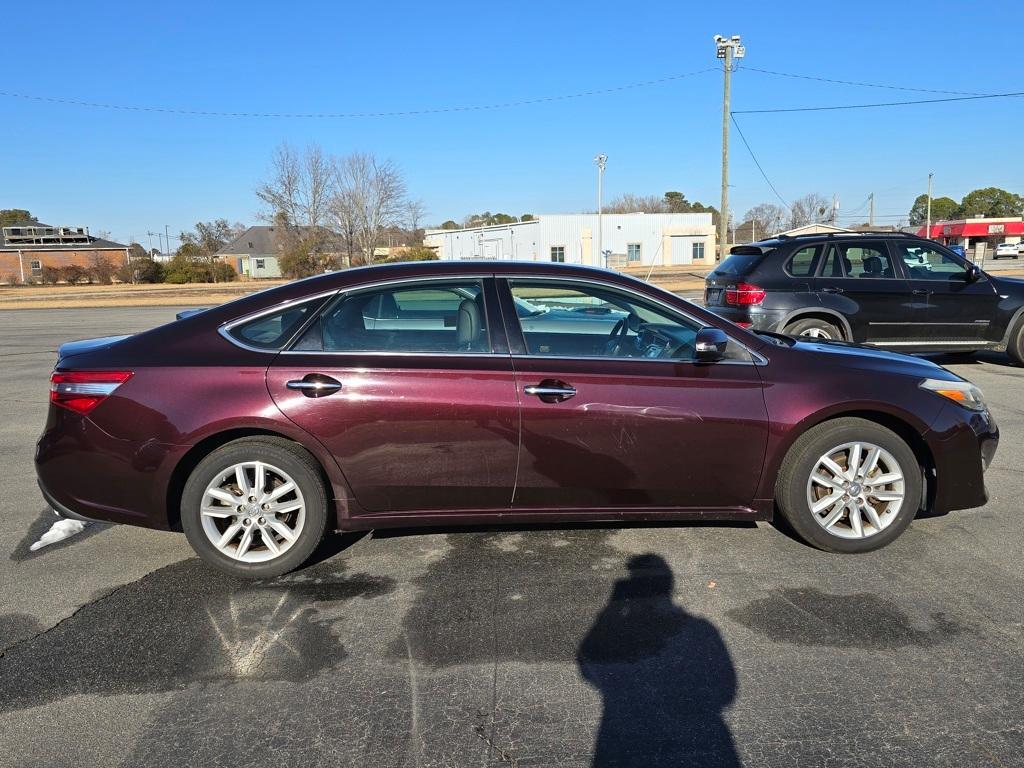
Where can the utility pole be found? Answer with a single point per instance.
(167, 238)
(928, 220)
(726, 49)
(602, 161)
(871, 210)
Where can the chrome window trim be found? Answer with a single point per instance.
(756, 359)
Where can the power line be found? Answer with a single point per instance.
(756, 162)
(861, 83)
(394, 113)
(879, 104)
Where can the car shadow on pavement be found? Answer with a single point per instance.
(664, 676)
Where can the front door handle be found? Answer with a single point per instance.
(551, 391)
(921, 292)
(832, 289)
(315, 385)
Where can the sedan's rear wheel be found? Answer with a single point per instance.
(849, 485)
(255, 507)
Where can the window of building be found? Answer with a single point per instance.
(698, 250)
(407, 317)
(633, 252)
(37, 267)
(260, 263)
(558, 253)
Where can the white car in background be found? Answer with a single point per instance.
(1008, 249)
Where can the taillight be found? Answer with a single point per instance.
(81, 391)
(744, 294)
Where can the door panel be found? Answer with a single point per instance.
(419, 434)
(427, 415)
(861, 281)
(640, 434)
(953, 309)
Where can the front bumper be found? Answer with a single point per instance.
(963, 445)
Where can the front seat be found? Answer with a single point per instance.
(469, 326)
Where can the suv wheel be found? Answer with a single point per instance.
(1015, 349)
(255, 507)
(815, 328)
(849, 485)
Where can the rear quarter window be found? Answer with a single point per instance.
(274, 330)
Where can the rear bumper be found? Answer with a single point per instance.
(61, 509)
(755, 318)
(962, 448)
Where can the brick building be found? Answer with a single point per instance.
(25, 249)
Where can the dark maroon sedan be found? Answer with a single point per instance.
(469, 393)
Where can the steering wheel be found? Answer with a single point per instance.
(619, 335)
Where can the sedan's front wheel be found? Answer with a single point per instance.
(849, 485)
(255, 507)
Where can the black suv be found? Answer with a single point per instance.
(890, 290)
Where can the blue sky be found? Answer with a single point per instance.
(129, 172)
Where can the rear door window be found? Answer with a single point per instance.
(865, 261)
(418, 318)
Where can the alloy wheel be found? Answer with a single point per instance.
(816, 333)
(856, 490)
(253, 512)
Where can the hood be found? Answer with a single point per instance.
(1016, 284)
(865, 358)
(86, 345)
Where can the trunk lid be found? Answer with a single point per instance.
(72, 348)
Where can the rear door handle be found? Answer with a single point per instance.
(921, 292)
(315, 385)
(831, 289)
(551, 391)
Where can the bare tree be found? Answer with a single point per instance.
(301, 186)
(767, 219)
(415, 212)
(630, 203)
(809, 209)
(370, 196)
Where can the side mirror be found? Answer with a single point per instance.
(974, 273)
(710, 344)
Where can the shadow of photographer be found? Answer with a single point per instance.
(664, 676)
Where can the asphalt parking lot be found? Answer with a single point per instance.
(656, 645)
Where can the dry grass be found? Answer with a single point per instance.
(155, 295)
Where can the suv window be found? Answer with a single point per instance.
(409, 317)
(803, 262)
(275, 330)
(859, 260)
(924, 263)
(738, 264)
(593, 321)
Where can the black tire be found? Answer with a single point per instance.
(289, 457)
(814, 328)
(801, 460)
(1015, 347)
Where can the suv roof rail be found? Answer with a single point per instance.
(870, 233)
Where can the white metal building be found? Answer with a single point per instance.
(627, 239)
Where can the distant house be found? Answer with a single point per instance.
(254, 253)
(25, 249)
(819, 228)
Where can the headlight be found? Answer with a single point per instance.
(960, 392)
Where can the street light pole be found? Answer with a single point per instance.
(928, 219)
(726, 49)
(602, 161)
